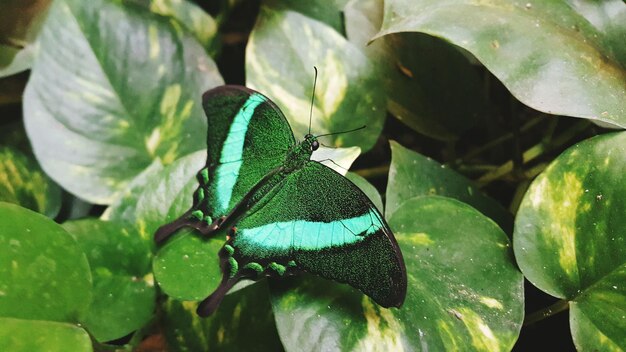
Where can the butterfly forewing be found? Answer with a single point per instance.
(248, 137)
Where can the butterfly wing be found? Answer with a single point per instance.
(315, 221)
(248, 136)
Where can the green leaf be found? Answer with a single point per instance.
(187, 267)
(412, 174)
(116, 102)
(44, 275)
(569, 239)
(464, 291)
(430, 85)
(243, 322)
(19, 335)
(338, 159)
(545, 52)
(20, 23)
(367, 188)
(282, 50)
(123, 292)
(191, 17)
(329, 12)
(23, 182)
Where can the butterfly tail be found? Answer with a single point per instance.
(210, 304)
(167, 230)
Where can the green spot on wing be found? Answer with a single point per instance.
(229, 249)
(254, 266)
(279, 269)
(234, 267)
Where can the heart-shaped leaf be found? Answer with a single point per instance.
(44, 274)
(412, 175)
(430, 85)
(243, 322)
(546, 53)
(23, 182)
(123, 292)
(101, 104)
(464, 291)
(570, 242)
(187, 267)
(19, 335)
(284, 47)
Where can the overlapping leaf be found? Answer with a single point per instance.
(23, 182)
(113, 88)
(44, 274)
(19, 335)
(560, 57)
(282, 50)
(569, 239)
(123, 292)
(412, 174)
(243, 322)
(464, 291)
(430, 85)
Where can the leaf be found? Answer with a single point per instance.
(282, 50)
(19, 335)
(101, 107)
(430, 85)
(44, 275)
(569, 239)
(338, 159)
(187, 267)
(22, 182)
(20, 23)
(243, 322)
(190, 16)
(329, 12)
(545, 52)
(464, 291)
(367, 188)
(411, 175)
(123, 292)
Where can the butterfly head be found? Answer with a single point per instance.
(311, 142)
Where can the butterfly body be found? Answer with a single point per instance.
(283, 212)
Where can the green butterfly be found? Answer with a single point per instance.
(285, 214)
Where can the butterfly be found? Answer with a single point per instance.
(284, 213)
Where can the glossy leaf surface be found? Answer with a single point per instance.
(546, 53)
(123, 292)
(430, 85)
(412, 175)
(464, 291)
(98, 117)
(569, 239)
(18, 335)
(23, 182)
(44, 274)
(280, 55)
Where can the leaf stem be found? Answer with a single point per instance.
(373, 172)
(496, 142)
(547, 312)
(534, 152)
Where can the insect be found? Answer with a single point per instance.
(283, 212)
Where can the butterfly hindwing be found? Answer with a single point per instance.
(316, 221)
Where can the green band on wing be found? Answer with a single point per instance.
(281, 237)
(232, 152)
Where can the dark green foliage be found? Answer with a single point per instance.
(467, 104)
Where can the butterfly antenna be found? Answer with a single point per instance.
(312, 99)
(348, 131)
